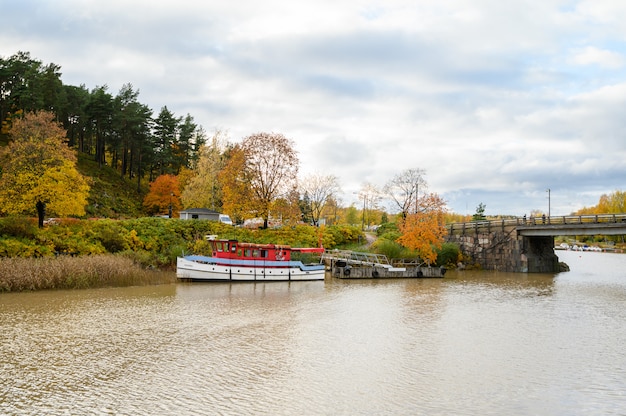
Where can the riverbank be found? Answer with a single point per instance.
(66, 272)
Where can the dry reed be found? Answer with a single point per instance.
(64, 272)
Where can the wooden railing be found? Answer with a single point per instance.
(537, 221)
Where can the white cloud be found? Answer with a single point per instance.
(498, 101)
(590, 55)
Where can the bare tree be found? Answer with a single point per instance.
(405, 188)
(370, 195)
(319, 188)
(270, 169)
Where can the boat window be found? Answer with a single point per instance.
(264, 254)
(219, 246)
(239, 253)
(255, 253)
(233, 248)
(248, 252)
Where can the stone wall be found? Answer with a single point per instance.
(503, 250)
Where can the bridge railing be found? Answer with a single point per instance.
(537, 221)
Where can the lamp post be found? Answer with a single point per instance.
(362, 195)
(548, 191)
(170, 211)
(364, 208)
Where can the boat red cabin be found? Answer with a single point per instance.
(233, 249)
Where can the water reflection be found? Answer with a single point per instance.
(472, 343)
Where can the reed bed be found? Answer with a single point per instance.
(65, 272)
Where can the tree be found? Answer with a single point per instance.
(424, 230)
(404, 190)
(100, 112)
(286, 208)
(319, 189)
(166, 129)
(371, 197)
(39, 170)
(164, 196)
(480, 213)
(270, 169)
(237, 197)
(614, 203)
(203, 188)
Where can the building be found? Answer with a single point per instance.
(204, 214)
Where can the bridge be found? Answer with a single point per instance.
(527, 244)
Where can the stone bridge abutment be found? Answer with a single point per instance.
(504, 250)
(526, 245)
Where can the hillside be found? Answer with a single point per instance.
(111, 196)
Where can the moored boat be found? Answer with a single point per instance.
(232, 260)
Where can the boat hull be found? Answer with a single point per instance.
(211, 270)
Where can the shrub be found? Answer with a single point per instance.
(19, 227)
(387, 228)
(448, 255)
(389, 248)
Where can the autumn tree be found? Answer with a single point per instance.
(237, 198)
(39, 170)
(203, 189)
(404, 189)
(319, 189)
(164, 196)
(424, 230)
(614, 203)
(286, 208)
(270, 169)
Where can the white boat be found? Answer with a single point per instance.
(232, 260)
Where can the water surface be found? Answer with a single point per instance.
(472, 343)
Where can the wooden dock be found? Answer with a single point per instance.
(345, 264)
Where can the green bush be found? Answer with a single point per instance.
(448, 255)
(158, 241)
(390, 248)
(19, 227)
(389, 227)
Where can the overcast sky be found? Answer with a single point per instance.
(498, 101)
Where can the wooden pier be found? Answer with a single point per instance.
(345, 264)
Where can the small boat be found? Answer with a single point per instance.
(232, 260)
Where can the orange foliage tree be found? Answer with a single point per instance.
(164, 196)
(424, 231)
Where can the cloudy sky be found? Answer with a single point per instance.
(498, 101)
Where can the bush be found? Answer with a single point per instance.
(389, 248)
(389, 227)
(448, 255)
(19, 227)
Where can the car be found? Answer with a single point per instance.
(225, 219)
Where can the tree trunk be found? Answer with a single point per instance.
(41, 212)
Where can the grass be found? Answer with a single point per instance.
(111, 195)
(64, 272)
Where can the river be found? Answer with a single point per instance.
(473, 343)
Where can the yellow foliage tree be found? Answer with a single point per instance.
(202, 190)
(614, 203)
(237, 197)
(39, 170)
(424, 231)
